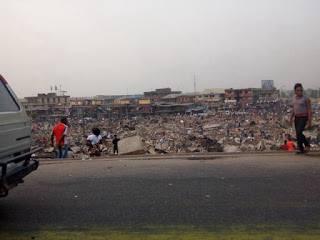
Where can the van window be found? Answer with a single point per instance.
(7, 102)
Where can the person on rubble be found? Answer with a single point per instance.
(60, 132)
(284, 146)
(115, 144)
(93, 142)
(290, 145)
(301, 111)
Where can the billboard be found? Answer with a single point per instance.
(267, 84)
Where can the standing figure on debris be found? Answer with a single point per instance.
(93, 142)
(60, 132)
(301, 111)
(115, 144)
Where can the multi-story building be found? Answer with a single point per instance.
(47, 104)
(78, 101)
(212, 96)
(171, 98)
(187, 98)
(245, 95)
(270, 95)
(250, 95)
(106, 99)
(158, 94)
(129, 99)
(180, 98)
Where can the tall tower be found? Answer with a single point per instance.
(194, 83)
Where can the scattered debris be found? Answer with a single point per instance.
(180, 134)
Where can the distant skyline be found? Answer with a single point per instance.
(132, 46)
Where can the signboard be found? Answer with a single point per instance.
(267, 84)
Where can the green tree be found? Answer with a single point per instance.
(34, 115)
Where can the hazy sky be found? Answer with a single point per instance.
(92, 47)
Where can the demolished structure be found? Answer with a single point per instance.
(182, 134)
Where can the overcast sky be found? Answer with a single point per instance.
(92, 47)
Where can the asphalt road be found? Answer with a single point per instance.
(208, 191)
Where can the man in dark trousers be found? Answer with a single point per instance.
(60, 132)
(115, 144)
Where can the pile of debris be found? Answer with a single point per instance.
(181, 134)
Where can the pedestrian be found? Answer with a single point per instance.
(115, 144)
(60, 132)
(284, 147)
(94, 141)
(301, 111)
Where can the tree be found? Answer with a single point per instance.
(34, 115)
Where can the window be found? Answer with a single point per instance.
(7, 102)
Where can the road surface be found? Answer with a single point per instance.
(214, 196)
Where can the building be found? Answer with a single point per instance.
(250, 95)
(270, 95)
(243, 96)
(187, 98)
(180, 98)
(107, 99)
(172, 108)
(129, 99)
(211, 97)
(158, 94)
(44, 105)
(78, 101)
(171, 98)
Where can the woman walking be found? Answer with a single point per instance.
(301, 111)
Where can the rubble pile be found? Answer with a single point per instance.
(180, 134)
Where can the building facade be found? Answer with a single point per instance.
(243, 96)
(158, 94)
(44, 105)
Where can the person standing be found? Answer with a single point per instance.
(301, 111)
(115, 144)
(60, 132)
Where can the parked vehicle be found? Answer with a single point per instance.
(15, 141)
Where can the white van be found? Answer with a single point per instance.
(15, 141)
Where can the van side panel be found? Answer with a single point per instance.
(15, 130)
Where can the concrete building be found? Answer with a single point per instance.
(78, 101)
(250, 95)
(171, 98)
(158, 94)
(243, 96)
(107, 99)
(187, 98)
(47, 104)
(270, 95)
(129, 99)
(212, 96)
